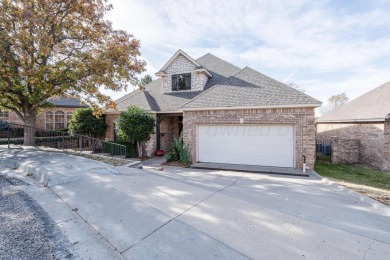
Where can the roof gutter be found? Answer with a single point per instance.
(366, 120)
(249, 107)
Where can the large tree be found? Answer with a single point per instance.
(144, 81)
(334, 102)
(51, 48)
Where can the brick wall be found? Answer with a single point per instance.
(179, 66)
(169, 127)
(386, 150)
(370, 135)
(40, 123)
(302, 118)
(345, 150)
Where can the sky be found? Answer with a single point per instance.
(326, 47)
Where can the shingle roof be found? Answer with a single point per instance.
(250, 88)
(152, 98)
(66, 102)
(372, 106)
(219, 69)
(246, 88)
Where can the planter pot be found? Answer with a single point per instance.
(159, 153)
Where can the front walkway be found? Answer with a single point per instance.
(190, 213)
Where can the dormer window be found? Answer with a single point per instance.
(181, 82)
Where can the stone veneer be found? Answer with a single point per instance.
(302, 118)
(183, 65)
(374, 140)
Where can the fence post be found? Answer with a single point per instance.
(63, 142)
(9, 135)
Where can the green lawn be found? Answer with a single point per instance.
(353, 173)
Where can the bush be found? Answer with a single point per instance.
(84, 122)
(180, 152)
(4, 126)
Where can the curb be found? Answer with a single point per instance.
(361, 197)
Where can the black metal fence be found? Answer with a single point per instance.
(324, 147)
(13, 134)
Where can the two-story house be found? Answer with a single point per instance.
(227, 114)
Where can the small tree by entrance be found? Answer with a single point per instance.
(136, 125)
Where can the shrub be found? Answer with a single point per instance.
(180, 152)
(4, 125)
(84, 122)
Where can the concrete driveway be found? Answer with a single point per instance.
(199, 214)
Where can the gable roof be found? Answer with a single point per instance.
(229, 86)
(152, 98)
(179, 52)
(372, 106)
(66, 102)
(251, 88)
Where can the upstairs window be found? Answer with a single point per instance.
(181, 82)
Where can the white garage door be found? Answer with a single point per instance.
(268, 145)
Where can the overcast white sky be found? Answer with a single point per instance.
(326, 47)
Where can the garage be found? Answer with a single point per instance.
(265, 145)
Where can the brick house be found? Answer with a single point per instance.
(226, 114)
(53, 118)
(363, 123)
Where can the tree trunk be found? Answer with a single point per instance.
(29, 129)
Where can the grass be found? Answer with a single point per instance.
(353, 173)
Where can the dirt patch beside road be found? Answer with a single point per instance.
(26, 231)
(380, 195)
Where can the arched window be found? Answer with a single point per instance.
(59, 120)
(4, 115)
(49, 120)
(68, 118)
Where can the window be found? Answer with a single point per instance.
(59, 120)
(49, 120)
(181, 82)
(4, 116)
(68, 118)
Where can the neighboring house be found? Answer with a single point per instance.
(367, 119)
(52, 118)
(226, 114)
